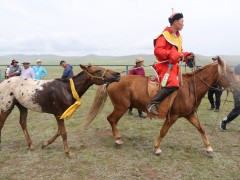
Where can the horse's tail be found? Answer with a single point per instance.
(99, 101)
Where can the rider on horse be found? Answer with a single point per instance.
(168, 52)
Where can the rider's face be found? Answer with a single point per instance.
(179, 24)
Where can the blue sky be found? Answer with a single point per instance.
(115, 27)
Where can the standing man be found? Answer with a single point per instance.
(168, 52)
(15, 69)
(39, 71)
(27, 71)
(68, 72)
(236, 110)
(137, 70)
(217, 90)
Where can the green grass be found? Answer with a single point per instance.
(96, 156)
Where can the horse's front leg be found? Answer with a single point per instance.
(61, 131)
(166, 126)
(194, 121)
(23, 123)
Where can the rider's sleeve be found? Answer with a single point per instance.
(174, 55)
(160, 50)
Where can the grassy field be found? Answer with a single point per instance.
(96, 156)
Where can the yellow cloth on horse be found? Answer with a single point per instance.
(69, 112)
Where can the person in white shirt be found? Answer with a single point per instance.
(27, 71)
(7, 71)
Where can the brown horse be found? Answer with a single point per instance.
(49, 96)
(133, 91)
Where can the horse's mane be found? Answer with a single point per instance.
(190, 74)
(67, 80)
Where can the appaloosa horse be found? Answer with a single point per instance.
(133, 91)
(48, 96)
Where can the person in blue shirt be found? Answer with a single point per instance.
(68, 70)
(39, 71)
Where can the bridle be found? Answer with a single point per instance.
(97, 77)
(221, 75)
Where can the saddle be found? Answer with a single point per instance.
(163, 107)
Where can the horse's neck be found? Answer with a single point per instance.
(204, 80)
(82, 82)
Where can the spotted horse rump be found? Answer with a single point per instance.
(48, 96)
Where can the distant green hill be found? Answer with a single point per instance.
(49, 59)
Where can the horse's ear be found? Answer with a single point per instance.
(89, 64)
(222, 65)
(82, 67)
(220, 62)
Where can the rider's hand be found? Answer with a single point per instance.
(190, 56)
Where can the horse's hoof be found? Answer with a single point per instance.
(44, 144)
(210, 154)
(32, 148)
(158, 152)
(70, 154)
(119, 142)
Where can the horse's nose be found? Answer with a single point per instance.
(117, 74)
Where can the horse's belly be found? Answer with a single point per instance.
(28, 102)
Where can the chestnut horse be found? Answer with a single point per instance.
(133, 91)
(48, 96)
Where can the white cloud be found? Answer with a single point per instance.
(119, 27)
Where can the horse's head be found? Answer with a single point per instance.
(227, 76)
(101, 75)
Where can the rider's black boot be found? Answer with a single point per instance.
(164, 92)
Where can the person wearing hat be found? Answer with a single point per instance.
(137, 70)
(15, 69)
(236, 110)
(27, 71)
(39, 71)
(217, 90)
(168, 52)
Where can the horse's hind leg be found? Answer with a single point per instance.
(194, 120)
(3, 117)
(113, 119)
(166, 126)
(23, 123)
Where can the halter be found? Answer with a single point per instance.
(97, 77)
(224, 75)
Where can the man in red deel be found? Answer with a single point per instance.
(168, 51)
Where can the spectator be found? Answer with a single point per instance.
(39, 71)
(7, 71)
(27, 71)
(236, 110)
(15, 69)
(137, 70)
(217, 90)
(68, 72)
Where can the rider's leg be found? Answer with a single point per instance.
(164, 92)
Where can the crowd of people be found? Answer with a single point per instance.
(36, 72)
(26, 71)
